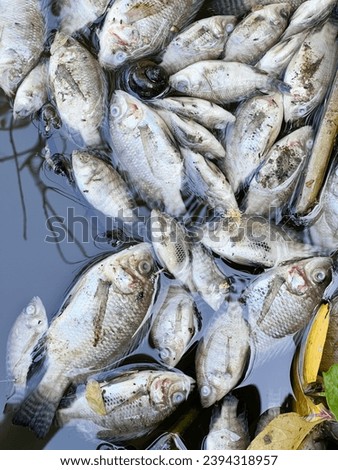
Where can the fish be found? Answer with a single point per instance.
(310, 72)
(258, 123)
(257, 33)
(227, 431)
(223, 82)
(251, 240)
(76, 14)
(208, 114)
(79, 88)
(28, 328)
(94, 327)
(209, 183)
(273, 184)
(190, 134)
(222, 354)
(23, 33)
(146, 152)
(203, 40)
(131, 404)
(308, 15)
(134, 29)
(186, 260)
(32, 93)
(102, 186)
(175, 325)
(240, 7)
(330, 350)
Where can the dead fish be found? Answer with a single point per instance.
(257, 33)
(202, 40)
(131, 404)
(275, 181)
(208, 182)
(253, 241)
(79, 88)
(227, 431)
(190, 134)
(22, 27)
(28, 329)
(32, 93)
(258, 123)
(134, 29)
(308, 15)
(95, 326)
(208, 114)
(146, 152)
(175, 325)
(76, 14)
(330, 351)
(310, 72)
(223, 82)
(239, 7)
(222, 354)
(102, 185)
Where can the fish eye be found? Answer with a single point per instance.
(205, 391)
(120, 56)
(182, 85)
(30, 310)
(229, 28)
(302, 110)
(165, 354)
(144, 267)
(309, 144)
(177, 398)
(319, 276)
(115, 111)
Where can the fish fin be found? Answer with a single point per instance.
(276, 84)
(101, 294)
(269, 299)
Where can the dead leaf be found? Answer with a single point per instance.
(94, 398)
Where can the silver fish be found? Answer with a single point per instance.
(175, 325)
(239, 7)
(95, 326)
(28, 329)
(32, 93)
(76, 14)
(192, 135)
(253, 241)
(22, 27)
(131, 404)
(208, 114)
(146, 152)
(275, 181)
(310, 72)
(134, 29)
(258, 123)
(79, 88)
(223, 82)
(222, 354)
(202, 40)
(102, 185)
(227, 430)
(257, 33)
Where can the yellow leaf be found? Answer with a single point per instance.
(94, 397)
(285, 432)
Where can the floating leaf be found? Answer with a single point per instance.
(331, 389)
(285, 432)
(330, 353)
(94, 398)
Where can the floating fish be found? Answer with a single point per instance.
(76, 14)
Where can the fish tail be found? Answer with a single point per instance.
(37, 413)
(276, 84)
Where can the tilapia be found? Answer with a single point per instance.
(253, 241)
(227, 431)
(95, 326)
(202, 40)
(131, 404)
(76, 14)
(258, 123)
(275, 181)
(22, 33)
(257, 33)
(134, 29)
(308, 15)
(175, 325)
(146, 152)
(222, 354)
(102, 185)
(190, 134)
(208, 182)
(28, 329)
(223, 82)
(208, 114)
(310, 72)
(79, 87)
(32, 93)
(239, 7)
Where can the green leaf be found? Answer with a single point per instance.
(331, 389)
